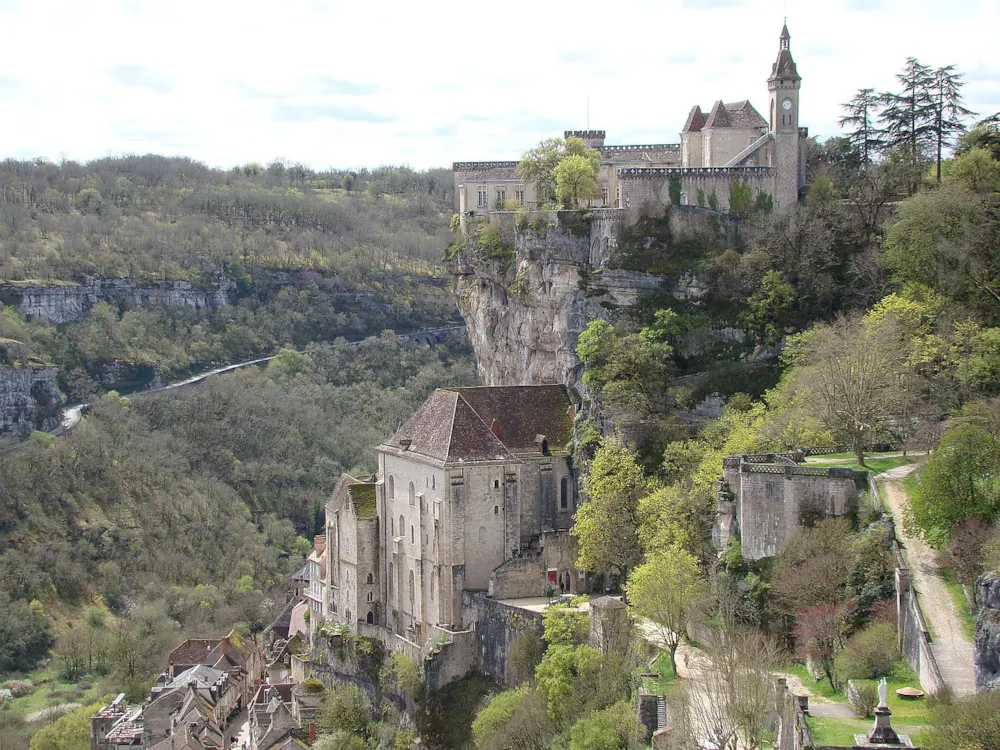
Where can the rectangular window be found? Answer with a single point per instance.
(604, 196)
(483, 201)
(519, 195)
(501, 197)
(618, 197)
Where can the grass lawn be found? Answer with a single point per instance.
(961, 603)
(660, 685)
(841, 731)
(817, 687)
(875, 463)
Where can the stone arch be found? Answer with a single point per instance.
(370, 619)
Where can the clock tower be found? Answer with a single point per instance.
(788, 160)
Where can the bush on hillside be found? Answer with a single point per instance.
(868, 655)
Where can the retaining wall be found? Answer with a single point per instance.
(498, 626)
(914, 638)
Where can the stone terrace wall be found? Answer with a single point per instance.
(452, 659)
(646, 190)
(498, 626)
(914, 638)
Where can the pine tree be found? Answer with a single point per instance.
(909, 116)
(948, 110)
(861, 112)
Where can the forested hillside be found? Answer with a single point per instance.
(306, 257)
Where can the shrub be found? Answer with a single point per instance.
(5, 695)
(869, 654)
(18, 688)
(345, 709)
(45, 715)
(863, 697)
(313, 685)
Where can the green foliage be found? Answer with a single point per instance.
(821, 194)
(496, 714)
(868, 655)
(675, 191)
(613, 728)
(969, 723)
(491, 245)
(564, 625)
(713, 200)
(665, 590)
(767, 307)
(345, 709)
(959, 482)
(576, 180)
(314, 685)
(525, 655)
(977, 170)
(701, 198)
(70, 732)
(740, 199)
(407, 674)
(24, 635)
(575, 680)
(607, 525)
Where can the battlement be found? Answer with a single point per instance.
(641, 147)
(593, 138)
(479, 166)
(658, 173)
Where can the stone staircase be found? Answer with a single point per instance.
(661, 712)
(755, 146)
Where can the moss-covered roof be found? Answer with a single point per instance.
(363, 498)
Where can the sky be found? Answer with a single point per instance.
(351, 83)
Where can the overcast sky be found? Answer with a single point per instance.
(351, 83)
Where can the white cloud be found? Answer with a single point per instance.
(342, 83)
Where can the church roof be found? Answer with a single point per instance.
(739, 114)
(784, 67)
(695, 120)
(463, 425)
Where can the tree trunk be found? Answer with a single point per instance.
(859, 449)
(673, 654)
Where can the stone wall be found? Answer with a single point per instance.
(646, 191)
(498, 626)
(518, 578)
(29, 397)
(766, 501)
(914, 638)
(452, 658)
(67, 302)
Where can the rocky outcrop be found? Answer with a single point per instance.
(986, 657)
(64, 302)
(525, 313)
(29, 397)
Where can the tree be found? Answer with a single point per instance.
(607, 524)
(345, 709)
(859, 119)
(984, 134)
(856, 376)
(868, 654)
(576, 180)
(614, 728)
(565, 626)
(347, 181)
(818, 633)
(948, 113)
(576, 680)
(961, 481)
(947, 239)
(513, 720)
(665, 590)
(976, 170)
(767, 307)
(538, 166)
(964, 554)
(909, 115)
(812, 567)
(740, 199)
(969, 723)
(69, 732)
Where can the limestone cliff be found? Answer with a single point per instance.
(986, 657)
(65, 302)
(525, 311)
(29, 397)
(527, 298)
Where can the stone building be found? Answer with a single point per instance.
(475, 493)
(730, 144)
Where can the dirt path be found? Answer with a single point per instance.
(952, 649)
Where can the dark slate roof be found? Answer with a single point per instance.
(520, 413)
(739, 114)
(487, 424)
(695, 120)
(784, 67)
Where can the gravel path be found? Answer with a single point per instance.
(952, 649)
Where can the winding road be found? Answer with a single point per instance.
(72, 415)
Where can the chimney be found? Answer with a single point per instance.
(495, 428)
(405, 444)
(319, 542)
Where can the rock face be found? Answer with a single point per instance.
(67, 302)
(986, 656)
(524, 318)
(29, 397)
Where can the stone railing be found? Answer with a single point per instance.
(755, 146)
(653, 173)
(475, 166)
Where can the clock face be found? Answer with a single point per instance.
(787, 104)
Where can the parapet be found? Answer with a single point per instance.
(659, 173)
(593, 138)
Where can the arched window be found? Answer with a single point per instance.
(392, 527)
(496, 510)
(391, 579)
(371, 618)
(371, 596)
(348, 574)
(402, 525)
(433, 482)
(564, 493)
(496, 484)
(413, 494)
(371, 578)
(412, 594)
(392, 488)
(413, 537)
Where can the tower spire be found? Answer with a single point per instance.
(785, 36)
